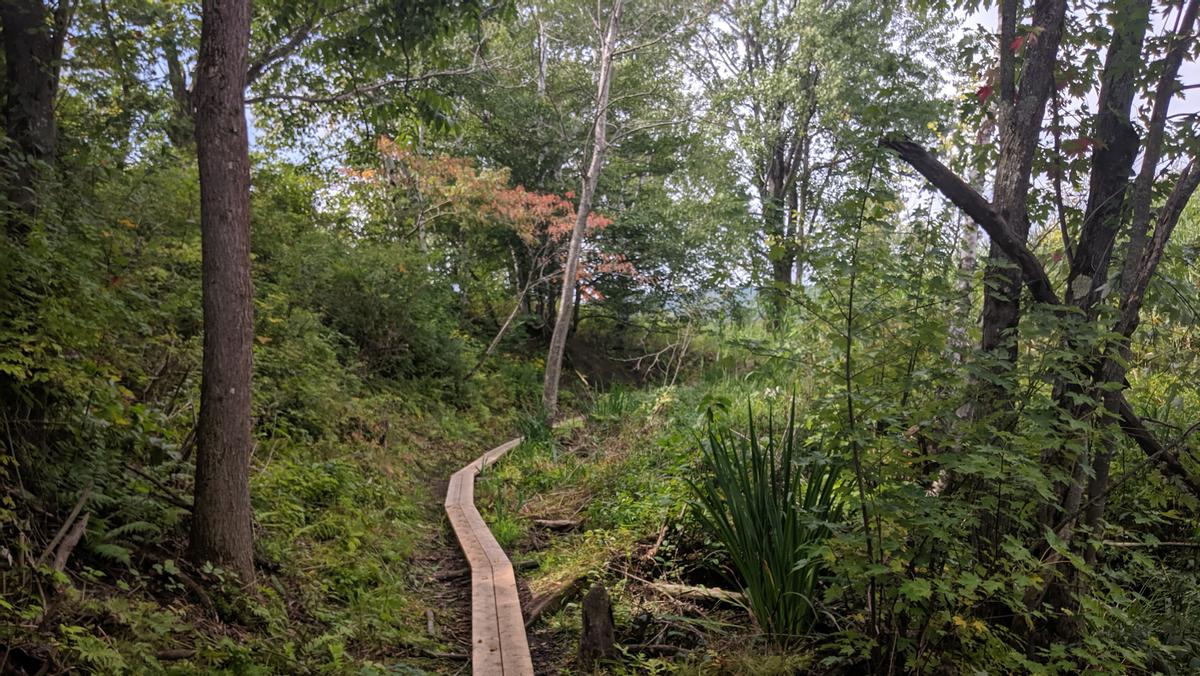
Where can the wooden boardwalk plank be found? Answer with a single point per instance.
(499, 646)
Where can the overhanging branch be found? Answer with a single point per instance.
(982, 212)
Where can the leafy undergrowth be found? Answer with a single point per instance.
(360, 400)
(623, 474)
(338, 522)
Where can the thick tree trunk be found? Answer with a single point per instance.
(221, 520)
(1111, 164)
(32, 49)
(1112, 161)
(1020, 123)
(562, 323)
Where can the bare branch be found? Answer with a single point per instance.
(1136, 285)
(272, 56)
(981, 211)
(643, 127)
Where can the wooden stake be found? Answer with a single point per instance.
(598, 640)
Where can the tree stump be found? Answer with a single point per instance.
(598, 639)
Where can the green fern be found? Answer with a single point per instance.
(112, 552)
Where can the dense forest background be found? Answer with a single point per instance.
(882, 315)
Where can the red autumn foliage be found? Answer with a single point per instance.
(442, 186)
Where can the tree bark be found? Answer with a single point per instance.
(33, 44)
(597, 639)
(221, 521)
(773, 194)
(1116, 147)
(1096, 376)
(1164, 93)
(1020, 122)
(562, 323)
(1038, 283)
(1112, 160)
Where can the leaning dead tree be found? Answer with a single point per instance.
(566, 302)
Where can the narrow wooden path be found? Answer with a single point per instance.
(498, 643)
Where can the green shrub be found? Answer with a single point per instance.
(770, 507)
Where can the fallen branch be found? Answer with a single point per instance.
(435, 655)
(69, 542)
(653, 649)
(200, 593)
(66, 525)
(699, 593)
(662, 535)
(552, 601)
(558, 524)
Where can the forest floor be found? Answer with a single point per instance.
(603, 502)
(360, 572)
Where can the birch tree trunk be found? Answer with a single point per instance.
(566, 301)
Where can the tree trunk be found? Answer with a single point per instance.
(221, 520)
(795, 235)
(32, 51)
(181, 124)
(1112, 161)
(1020, 123)
(773, 193)
(1117, 146)
(562, 323)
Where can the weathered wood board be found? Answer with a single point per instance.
(499, 646)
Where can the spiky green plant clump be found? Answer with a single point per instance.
(770, 502)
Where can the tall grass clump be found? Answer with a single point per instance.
(770, 502)
(614, 406)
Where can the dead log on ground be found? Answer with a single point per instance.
(69, 542)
